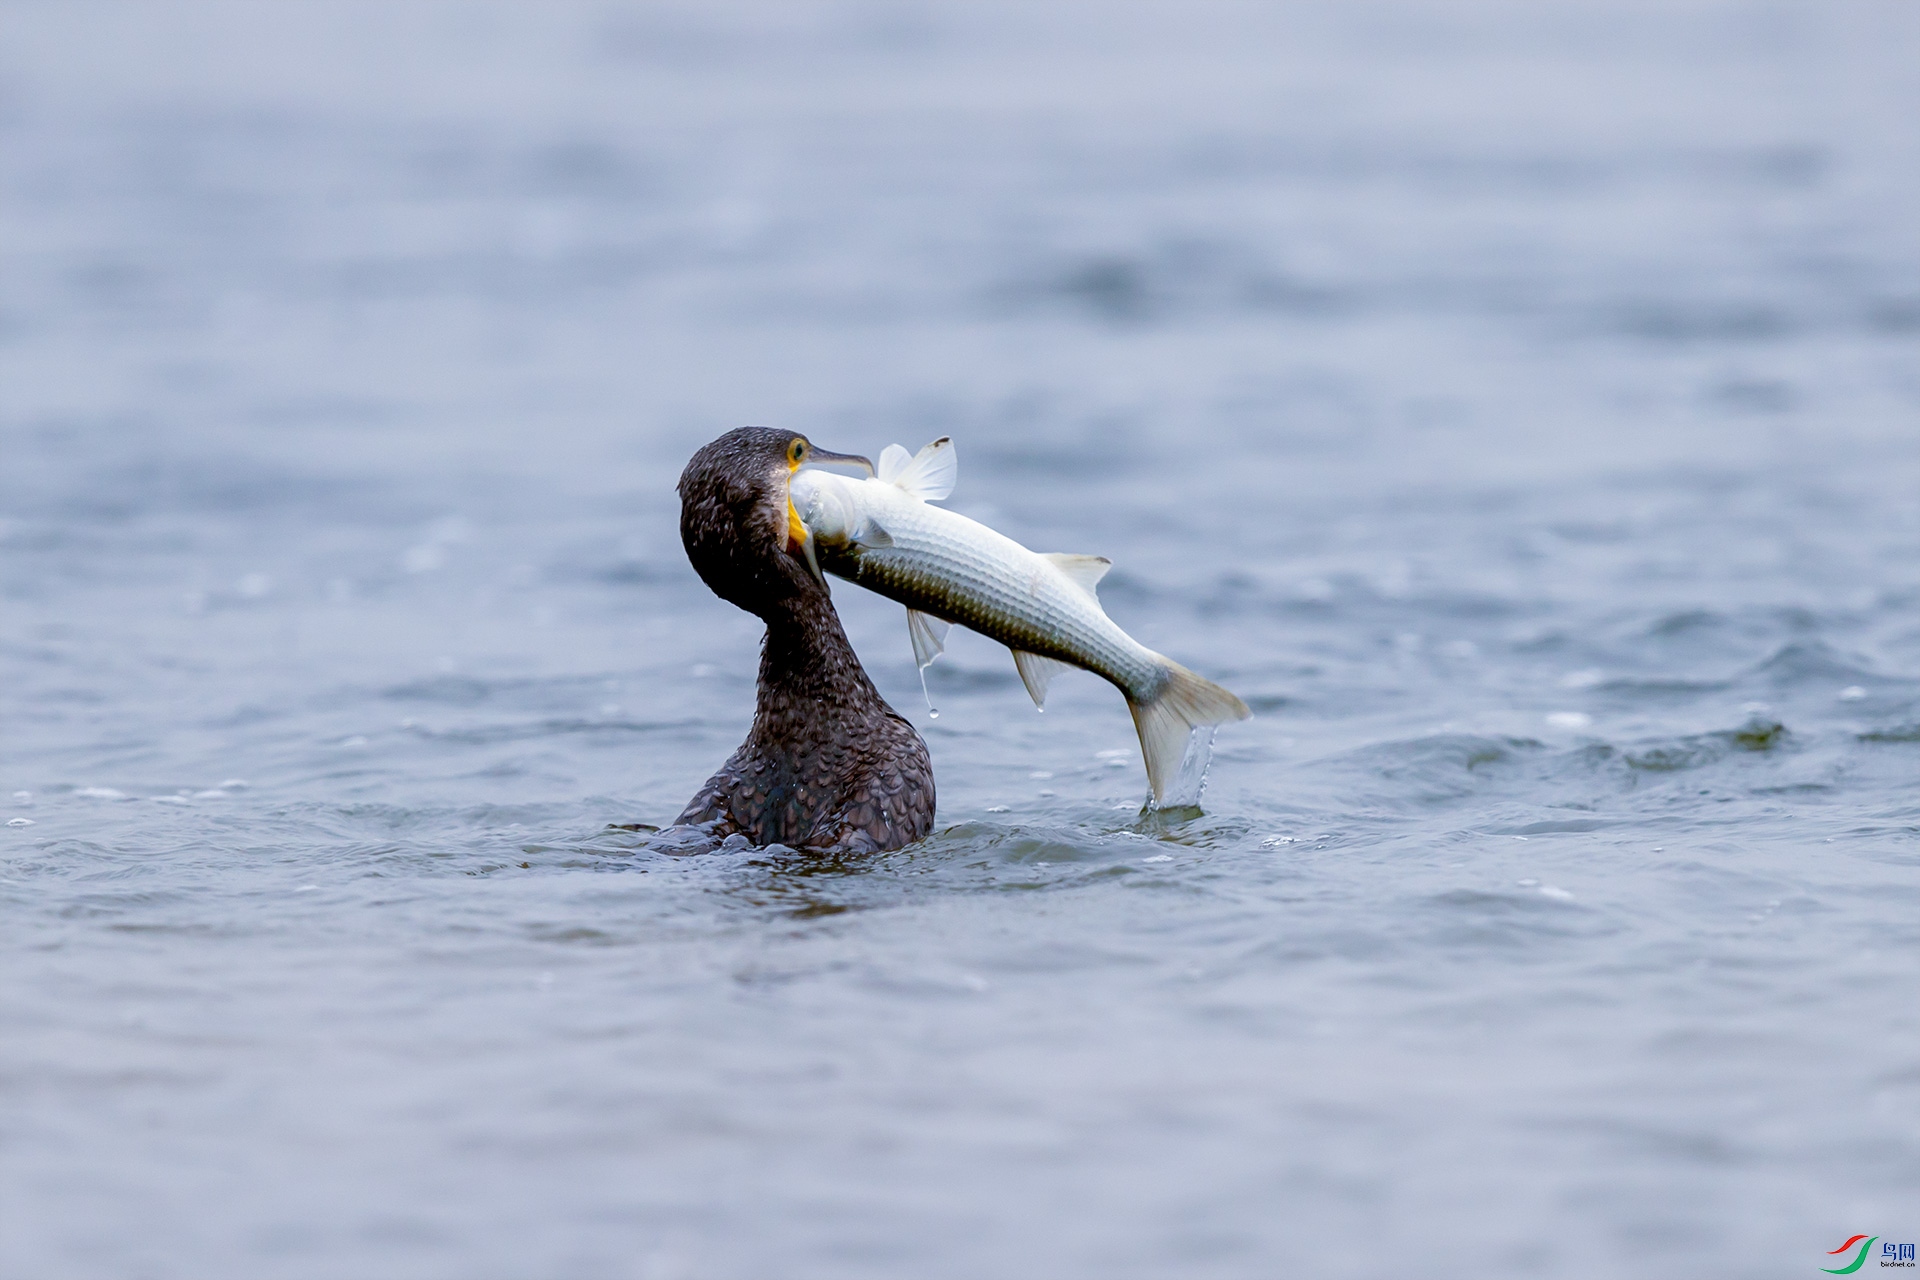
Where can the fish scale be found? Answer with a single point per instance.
(958, 569)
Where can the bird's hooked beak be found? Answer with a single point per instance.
(799, 537)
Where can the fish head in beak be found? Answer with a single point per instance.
(801, 452)
(737, 518)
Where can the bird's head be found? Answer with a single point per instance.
(738, 523)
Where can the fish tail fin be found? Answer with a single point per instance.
(1166, 721)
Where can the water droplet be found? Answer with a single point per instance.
(932, 712)
(19, 822)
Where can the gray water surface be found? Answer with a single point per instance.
(1518, 405)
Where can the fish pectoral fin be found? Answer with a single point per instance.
(894, 459)
(1084, 572)
(1037, 673)
(929, 636)
(868, 533)
(931, 473)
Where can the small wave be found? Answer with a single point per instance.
(1811, 665)
(1356, 598)
(1569, 825)
(486, 735)
(1677, 320)
(1487, 903)
(1814, 662)
(1482, 918)
(459, 691)
(1659, 689)
(1439, 768)
(1184, 278)
(573, 934)
(1688, 621)
(1697, 750)
(560, 694)
(1029, 845)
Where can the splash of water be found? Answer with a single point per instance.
(1187, 786)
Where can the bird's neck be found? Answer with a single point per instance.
(807, 665)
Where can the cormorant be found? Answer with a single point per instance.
(828, 766)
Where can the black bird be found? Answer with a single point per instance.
(828, 766)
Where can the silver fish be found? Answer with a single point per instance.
(880, 532)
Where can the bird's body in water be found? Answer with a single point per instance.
(828, 766)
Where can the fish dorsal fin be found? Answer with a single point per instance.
(893, 460)
(1084, 572)
(1037, 673)
(929, 476)
(929, 636)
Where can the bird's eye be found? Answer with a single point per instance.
(797, 452)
